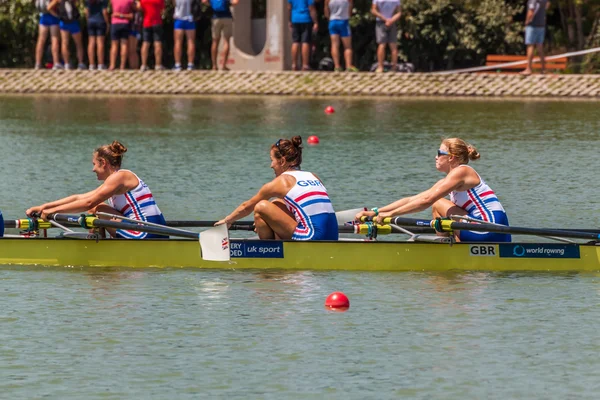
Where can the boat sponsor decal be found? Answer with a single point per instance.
(482, 250)
(256, 249)
(546, 250)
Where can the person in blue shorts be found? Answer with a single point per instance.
(69, 27)
(184, 27)
(97, 25)
(535, 30)
(96, 14)
(339, 12)
(49, 25)
(303, 23)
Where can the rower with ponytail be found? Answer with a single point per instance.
(469, 194)
(126, 193)
(301, 210)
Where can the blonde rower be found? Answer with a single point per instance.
(126, 194)
(469, 194)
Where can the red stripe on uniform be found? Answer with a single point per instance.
(132, 205)
(146, 196)
(305, 195)
(484, 216)
(299, 216)
(486, 193)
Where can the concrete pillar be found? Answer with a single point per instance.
(260, 44)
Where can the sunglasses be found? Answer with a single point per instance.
(442, 153)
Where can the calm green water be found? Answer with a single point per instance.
(74, 333)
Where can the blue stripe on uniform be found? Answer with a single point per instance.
(316, 201)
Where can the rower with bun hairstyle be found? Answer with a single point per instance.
(127, 195)
(301, 209)
(469, 194)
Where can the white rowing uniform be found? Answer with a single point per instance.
(309, 202)
(481, 203)
(138, 204)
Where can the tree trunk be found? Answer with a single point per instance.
(579, 25)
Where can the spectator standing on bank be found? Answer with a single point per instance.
(135, 34)
(122, 14)
(69, 15)
(535, 30)
(221, 26)
(303, 22)
(339, 12)
(152, 32)
(185, 27)
(49, 25)
(387, 13)
(96, 12)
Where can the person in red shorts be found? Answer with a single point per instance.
(152, 31)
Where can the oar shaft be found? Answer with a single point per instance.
(94, 222)
(449, 226)
(515, 230)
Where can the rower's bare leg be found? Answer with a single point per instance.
(273, 220)
(444, 208)
(105, 208)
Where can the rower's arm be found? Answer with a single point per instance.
(424, 200)
(269, 190)
(114, 184)
(56, 203)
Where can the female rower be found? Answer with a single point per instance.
(469, 194)
(127, 194)
(302, 209)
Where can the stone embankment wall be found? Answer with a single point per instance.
(298, 83)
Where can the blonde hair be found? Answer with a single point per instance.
(460, 149)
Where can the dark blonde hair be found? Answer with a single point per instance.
(460, 149)
(290, 150)
(112, 153)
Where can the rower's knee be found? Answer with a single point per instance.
(436, 210)
(260, 208)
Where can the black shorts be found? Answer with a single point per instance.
(96, 28)
(119, 32)
(153, 34)
(302, 33)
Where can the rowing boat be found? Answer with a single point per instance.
(366, 255)
(340, 255)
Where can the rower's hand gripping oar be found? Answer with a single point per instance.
(346, 216)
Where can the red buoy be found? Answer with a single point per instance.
(329, 110)
(312, 140)
(338, 301)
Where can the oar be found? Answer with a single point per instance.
(29, 224)
(446, 225)
(214, 241)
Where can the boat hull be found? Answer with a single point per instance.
(342, 255)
